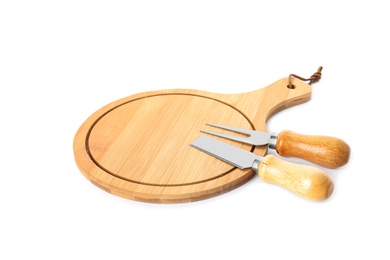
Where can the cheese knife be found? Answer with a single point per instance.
(307, 181)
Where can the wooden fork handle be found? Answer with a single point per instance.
(330, 152)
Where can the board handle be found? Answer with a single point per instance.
(307, 181)
(330, 152)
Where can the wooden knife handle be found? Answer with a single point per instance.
(326, 151)
(307, 181)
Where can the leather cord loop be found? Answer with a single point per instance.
(313, 79)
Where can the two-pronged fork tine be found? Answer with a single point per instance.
(254, 137)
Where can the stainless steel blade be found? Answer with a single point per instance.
(228, 153)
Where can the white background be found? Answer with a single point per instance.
(60, 61)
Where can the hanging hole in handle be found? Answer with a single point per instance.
(292, 86)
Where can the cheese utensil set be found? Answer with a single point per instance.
(307, 181)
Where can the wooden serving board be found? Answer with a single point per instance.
(138, 147)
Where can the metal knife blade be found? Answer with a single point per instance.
(226, 152)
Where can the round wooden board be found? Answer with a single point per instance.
(138, 147)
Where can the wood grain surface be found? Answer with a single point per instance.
(138, 147)
(327, 151)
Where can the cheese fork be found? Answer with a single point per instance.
(330, 152)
